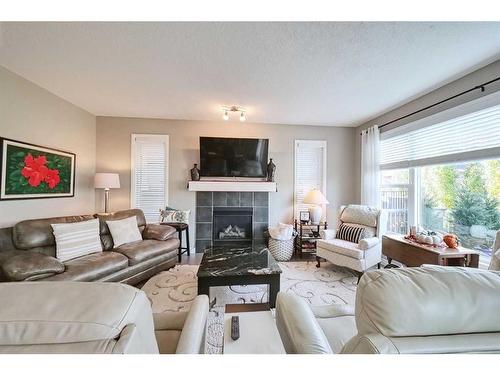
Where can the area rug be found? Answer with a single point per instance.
(175, 289)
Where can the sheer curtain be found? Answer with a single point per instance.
(370, 167)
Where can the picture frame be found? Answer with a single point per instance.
(29, 171)
(304, 217)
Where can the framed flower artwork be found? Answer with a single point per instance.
(29, 171)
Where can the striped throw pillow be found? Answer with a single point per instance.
(350, 233)
(74, 240)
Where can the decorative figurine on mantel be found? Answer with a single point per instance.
(195, 173)
(271, 170)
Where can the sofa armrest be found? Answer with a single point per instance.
(367, 243)
(328, 234)
(372, 343)
(158, 232)
(20, 265)
(298, 328)
(332, 311)
(192, 339)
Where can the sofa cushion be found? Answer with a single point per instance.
(68, 313)
(338, 330)
(346, 248)
(358, 214)
(21, 265)
(429, 300)
(29, 234)
(140, 251)
(92, 267)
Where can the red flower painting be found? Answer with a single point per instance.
(36, 171)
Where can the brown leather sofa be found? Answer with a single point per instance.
(27, 252)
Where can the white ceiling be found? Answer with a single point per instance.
(339, 74)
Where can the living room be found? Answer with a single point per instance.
(230, 187)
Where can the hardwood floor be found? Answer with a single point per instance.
(194, 258)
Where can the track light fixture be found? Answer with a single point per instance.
(234, 108)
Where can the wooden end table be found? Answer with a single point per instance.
(412, 254)
(180, 227)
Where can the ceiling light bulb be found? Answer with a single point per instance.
(243, 117)
(225, 116)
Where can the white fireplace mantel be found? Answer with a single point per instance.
(254, 186)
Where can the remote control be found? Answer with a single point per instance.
(235, 327)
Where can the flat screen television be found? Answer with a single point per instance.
(233, 157)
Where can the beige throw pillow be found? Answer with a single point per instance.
(74, 240)
(124, 231)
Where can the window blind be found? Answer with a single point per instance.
(149, 175)
(310, 171)
(468, 137)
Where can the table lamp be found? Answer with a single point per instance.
(316, 198)
(106, 181)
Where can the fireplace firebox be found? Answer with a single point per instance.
(232, 225)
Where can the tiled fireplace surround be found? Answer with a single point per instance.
(207, 200)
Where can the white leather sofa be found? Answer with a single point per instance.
(80, 317)
(431, 309)
(356, 256)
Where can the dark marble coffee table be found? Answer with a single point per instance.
(225, 266)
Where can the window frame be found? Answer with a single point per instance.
(133, 153)
(320, 144)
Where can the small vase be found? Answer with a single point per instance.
(195, 173)
(271, 170)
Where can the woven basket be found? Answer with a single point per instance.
(281, 250)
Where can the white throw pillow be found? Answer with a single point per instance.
(124, 231)
(74, 240)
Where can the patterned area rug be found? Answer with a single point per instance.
(175, 289)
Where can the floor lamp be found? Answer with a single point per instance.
(106, 181)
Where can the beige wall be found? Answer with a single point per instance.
(473, 79)
(113, 155)
(31, 114)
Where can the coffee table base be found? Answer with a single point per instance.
(272, 280)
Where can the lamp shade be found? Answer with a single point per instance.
(107, 181)
(315, 197)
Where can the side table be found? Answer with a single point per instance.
(180, 227)
(307, 235)
(258, 334)
(412, 254)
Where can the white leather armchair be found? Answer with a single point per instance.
(356, 256)
(431, 309)
(183, 332)
(84, 318)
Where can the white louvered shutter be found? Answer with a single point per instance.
(149, 174)
(310, 171)
(469, 137)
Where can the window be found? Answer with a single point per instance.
(445, 176)
(310, 171)
(395, 192)
(149, 175)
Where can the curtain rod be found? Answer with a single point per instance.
(478, 87)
